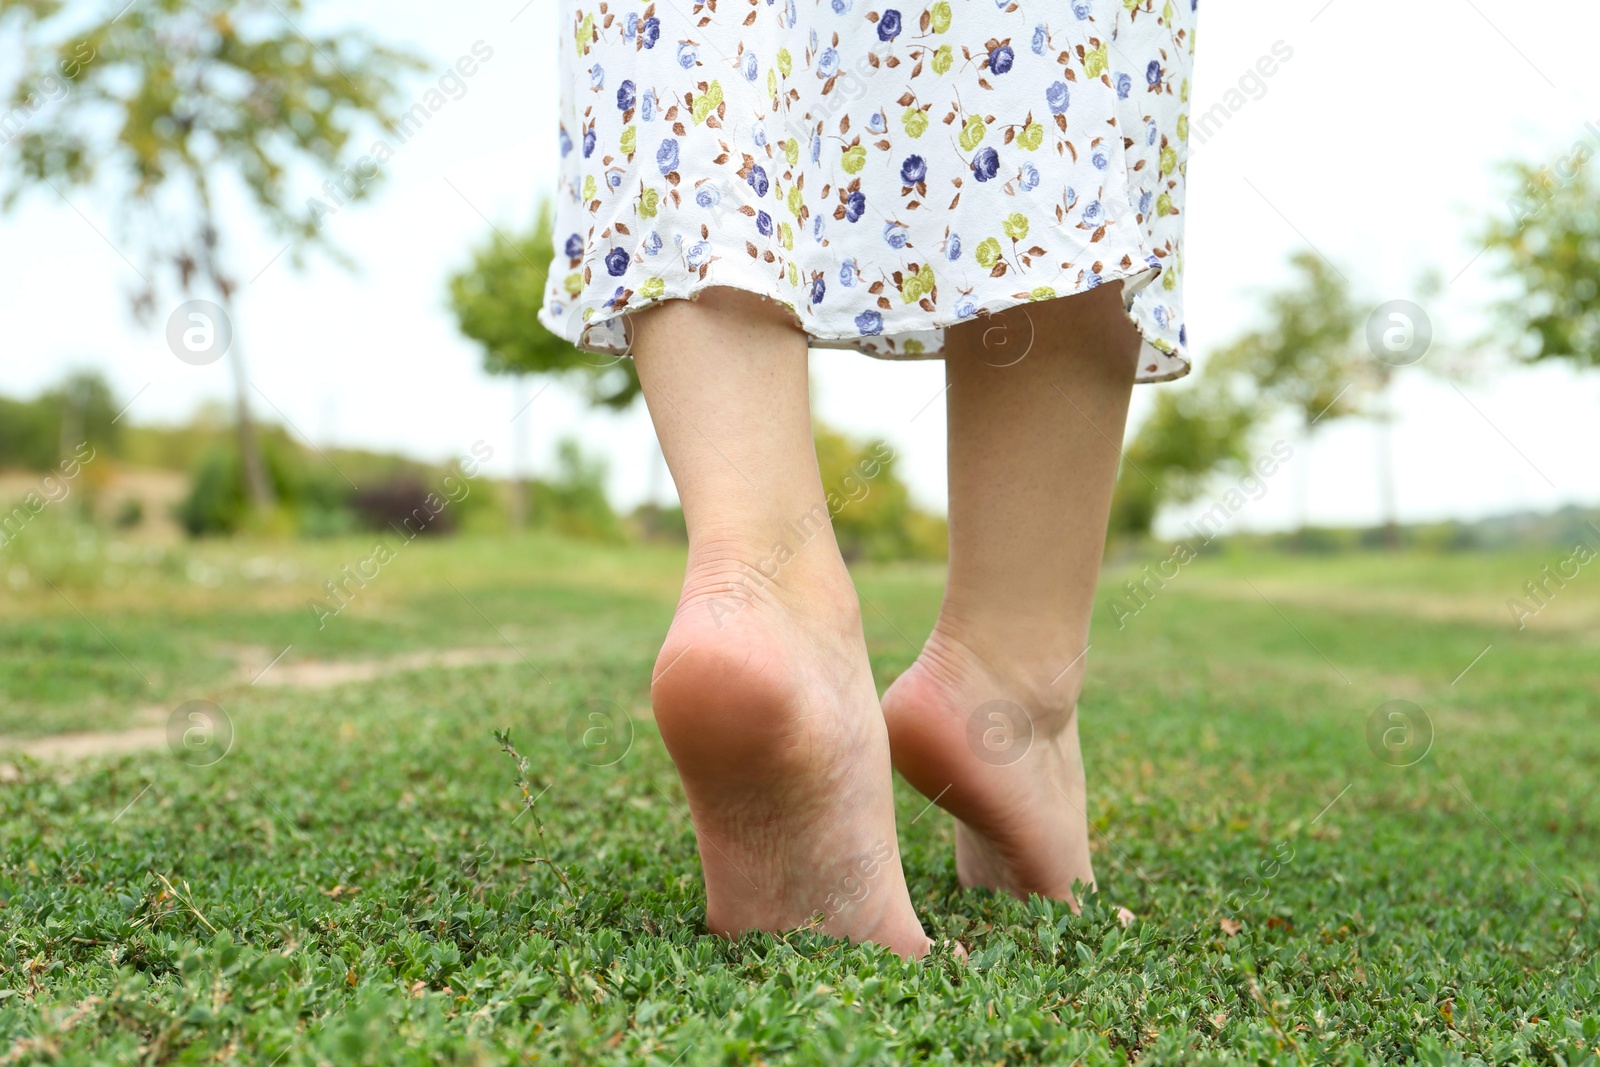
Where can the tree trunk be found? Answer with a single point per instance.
(256, 485)
(1384, 420)
(519, 454)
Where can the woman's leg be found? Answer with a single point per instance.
(762, 691)
(986, 719)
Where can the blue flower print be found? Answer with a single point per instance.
(818, 287)
(698, 254)
(1058, 97)
(758, 180)
(630, 26)
(1000, 59)
(652, 244)
(574, 247)
(965, 309)
(565, 141)
(986, 164)
(617, 262)
(751, 67)
(647, 106)
(1124, 86)
(1100, 160)
(1041, 37)
(855, 205)
(763, 224)
(1080, 8)
(878, 123)
(667, 156)
(1152, 73)
(688, 55)
(889, 25)
(828, 63)
(708, 195)
(870, 323)
(1030, 177)
(847, 274)
(896, 235)
(588, 143)
(650, 31)
(597, 77)
(952, 248)
(913, 171)
(627, 96)
(1094, 213)
(842, 7)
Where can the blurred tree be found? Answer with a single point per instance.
(1550, 252)
(1306, 358)
(166, 105)
(496, 301)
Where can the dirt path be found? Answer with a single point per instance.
(255, 668)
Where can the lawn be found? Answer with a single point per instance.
(1320, 875)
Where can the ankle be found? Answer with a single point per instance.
(728, 575)
(1044, 681)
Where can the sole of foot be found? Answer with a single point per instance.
(769, 712)
(1004, 762)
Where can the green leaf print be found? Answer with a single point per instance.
(988, 253)
(573, 283)
(1031, 137)
(707, 102)
(943, 59)
(972, 133)
(1044, 292)
(1169, 159)
(855, 158)
(585, 33)
(1016, 227)
(629, 141)
(941, 17)
(1183, 127)
(1164, 204)
(590, 188)
(653, 288)
(916, 121)
(1095, 62)
(785, 62)
(649, 201)
(772, 82)
(797, 200)
(791, 150)
(786, 236)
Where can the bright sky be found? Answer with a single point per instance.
(1376, 142)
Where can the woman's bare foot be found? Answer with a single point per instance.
(765, 700)
(997, 746)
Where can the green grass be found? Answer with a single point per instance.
(351, 882)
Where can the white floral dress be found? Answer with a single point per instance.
(883, 169)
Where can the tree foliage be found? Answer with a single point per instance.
(1550, 253)
(496, 301)
(1306, 357)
